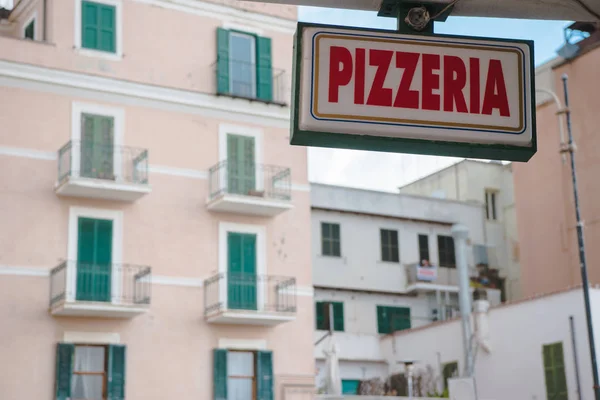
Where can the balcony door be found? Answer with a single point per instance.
(97, 147)
(242, 64)
(241, 164)
(94, 259)
(241, 276)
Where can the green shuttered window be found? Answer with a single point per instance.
(30, 30)
(244, 372)
(389, 245)
(391, 319)
(330, 240)
(241, 279)
(244, 65)
(554, 371)
(98, 26)
(94, 259)
(92, 371)
(322, 315)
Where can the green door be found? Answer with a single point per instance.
(241, 281)
(97, 146)
(241, 167)
(94, 259)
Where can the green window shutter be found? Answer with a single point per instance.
(116, 372)
(338, 316)
(98, 26)
(320, 315)
(264, 375)
(383, 325)
(107, 28)
(222, 61)
(64, 370)
(264, 72)
(554, 371)
(219, 374)
(30, 31)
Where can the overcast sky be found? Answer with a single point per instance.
(384, 171)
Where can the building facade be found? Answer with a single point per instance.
(489, 184)
(155, 235)
(367, 247)
(523, 352)
(543, 186)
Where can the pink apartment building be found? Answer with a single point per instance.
(154, 220)
(543, 189)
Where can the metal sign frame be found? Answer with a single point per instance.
(403, 145)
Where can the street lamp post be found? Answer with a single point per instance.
(570, 148)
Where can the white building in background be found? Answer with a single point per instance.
(532, 352)
(366, 247)
(491, 185)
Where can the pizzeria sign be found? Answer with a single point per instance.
(426, 94)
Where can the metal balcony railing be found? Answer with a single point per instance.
(123, 284)
(262, 293)
(88, 159)
(251, 81)
(257, 180)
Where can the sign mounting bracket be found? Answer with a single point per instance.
(416, 17)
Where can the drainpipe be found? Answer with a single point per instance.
(45, 18)
(575, 360)
(460, 233)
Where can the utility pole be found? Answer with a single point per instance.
(570, 148)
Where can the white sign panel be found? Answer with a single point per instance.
(426, 274)
(434, 88)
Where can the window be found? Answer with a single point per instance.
(29, 31)
(91, 372)
(446, 251)
(322, 314)
(392, 319)
(97, 147)
(244, 65)
(98, 26)
(449, 370)
(423, 248)
(554, 370)
(350, 386)
(241, 271)
(490, 205)
(236, 372)
(241, 165)
(330, 239)
(389, 245)
(94, 259)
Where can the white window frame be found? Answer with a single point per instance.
(116, 216)
(261, 258)
(118, 115)
(32, 18)
(257, 134)
(118, 54)
(253, 62)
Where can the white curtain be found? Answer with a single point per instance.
(240, 371)
(88, 359)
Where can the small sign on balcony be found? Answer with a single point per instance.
(426, 94)
(426, 273)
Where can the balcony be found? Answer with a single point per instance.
(262, 190)
(114, 291)
(249, 81)
(433, 278)
(249, 299)
(92, 170)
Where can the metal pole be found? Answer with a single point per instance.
(460, 234)
(409, 367)
(580, 241)
(330, 305)
(575, 361)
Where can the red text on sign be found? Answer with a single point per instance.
(446, 73)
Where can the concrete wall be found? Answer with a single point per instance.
(161, 87)
(361, 215)
(514, 368)
(468, 180)
(545, 207)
